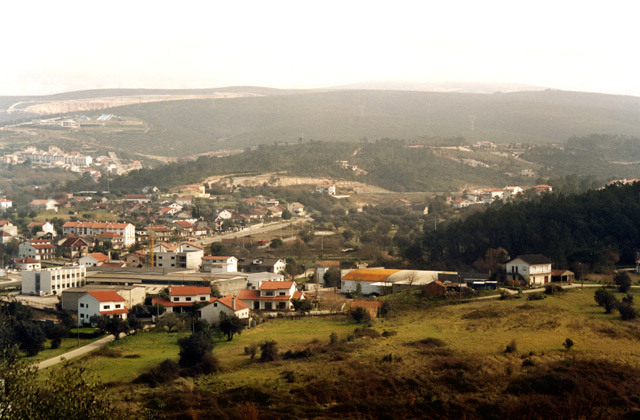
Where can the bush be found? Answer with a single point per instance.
(298, 354)
(269, 351)
(623, 281)
(627, 311)
(360, 314)
(568, 343)
(194, 348)
(528, 363)
(251, 350)
(606, 299)
(553, 289)
(166, 371)
(333, 338)
(511, 347)
(433, 342)
(536, 296)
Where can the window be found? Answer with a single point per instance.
(118, 306)
(268, 293)
(215, 304)
(283, 293)
(203, 298)
(176, 299)
(105, 307)
(188, 298)
(82, 305)
(81, 315)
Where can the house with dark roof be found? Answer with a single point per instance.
(257, 265)
(529, 269)
(74, 247)
(39, 249)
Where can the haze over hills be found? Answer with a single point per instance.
(239, 117)
(461, 87)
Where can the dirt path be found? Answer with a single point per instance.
(77, 352)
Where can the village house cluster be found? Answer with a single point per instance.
(490, 195)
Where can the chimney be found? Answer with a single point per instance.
(233, 303)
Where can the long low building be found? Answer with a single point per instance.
(382, 281)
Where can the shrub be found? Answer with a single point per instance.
(623, 281)
(194, 348)
(606, 299)
(433, 342)
(553, 289)
(528, 363)
(568, 343)
(511, 347)
(166, 371)
(269, 351)
(386, 333)
(360, 314)
(298, 354)
(627, 311)
(536, 296)
(251, 350)
(333, 338)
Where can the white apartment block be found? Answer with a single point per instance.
(50, 281)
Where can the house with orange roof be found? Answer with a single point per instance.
(371, 281)
(94, 259)
(229, 305)
(184, 297)
(101, 303)
(271, 296)
(184, 201)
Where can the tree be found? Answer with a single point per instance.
(134, 323)
(30, 336)
(623, 281)
(195, 348)
(286, 214)
(217, 249)
(360, 314)
(116, 326)
(230, 325)
(332, 277)
(568, 343)
(627, 311)
(347, 235)
(276, 243)
(302, 305)
(606, 299)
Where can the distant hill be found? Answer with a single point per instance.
(462, 87)
(186, 127)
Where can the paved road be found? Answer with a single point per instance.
(94, 345)
(255, 230)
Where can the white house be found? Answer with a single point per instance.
(219, 264)
(42, 228)
(186, 255)
(296, 209)
(26, 264)
(532, 269)
(101, 302)
(94, 259)
(5, 204)
(184, 296)
(225, 215)
(10, 228)
(126, 230)
(227, 304)
(271, 296)
(44, 204)
(271, 265)
(52, 280)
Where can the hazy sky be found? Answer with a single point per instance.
(57, 46)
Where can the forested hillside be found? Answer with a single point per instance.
(598, 229)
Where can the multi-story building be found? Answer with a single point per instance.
(219, 264)
(271, 296)
(126, 230)
(52, 280)
(186, 255)
(38, 249)
(101, 303)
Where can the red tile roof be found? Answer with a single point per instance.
(106, 296)
(115, 311)
(216, 258)
(99, 256)
(227, 301)
(276, 285)
(96, 225)
(189, 290)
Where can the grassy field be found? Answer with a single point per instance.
(468, 366)
(67, 344)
